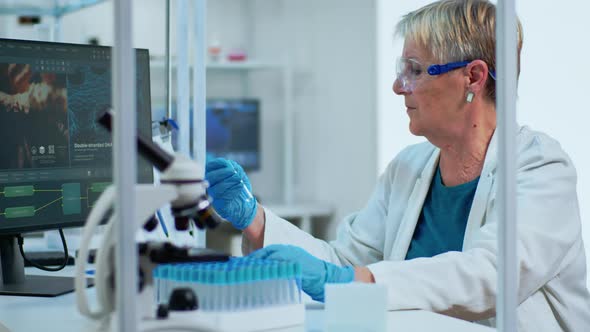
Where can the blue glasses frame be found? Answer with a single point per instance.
(441, 69)
(434, 70)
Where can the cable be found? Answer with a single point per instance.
(100, 209)
(41, 267)
(104, 293)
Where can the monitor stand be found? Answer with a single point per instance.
(13, 280)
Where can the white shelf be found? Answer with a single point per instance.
(246, 65)
(304, 212)
(299, 210)
(46, 8)
(222, 65)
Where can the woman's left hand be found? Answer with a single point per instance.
(315, 273)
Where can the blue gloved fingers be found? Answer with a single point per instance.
(219, 175)
(209, 158)
(231, 190)
(234, 202)
(227, 166)
(245, 209)
(283, 252)
(239, 215)
(259, 254)
(216, 163)
(266, 251)
(315, 273)
(219, 189)
(276, 256)
(242, 174)
(220, 204)
(236, 166)
(222, 170)
(219, 163)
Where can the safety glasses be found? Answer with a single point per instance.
(410, 71)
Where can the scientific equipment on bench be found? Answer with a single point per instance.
(175, 268)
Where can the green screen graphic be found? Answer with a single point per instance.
(71, 198)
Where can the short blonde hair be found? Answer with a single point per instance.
(457, 30)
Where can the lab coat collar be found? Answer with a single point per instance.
(482, 193)
(420, 190)
(412, 213)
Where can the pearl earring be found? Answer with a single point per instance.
(470, 96)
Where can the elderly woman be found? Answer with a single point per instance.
(429, 230)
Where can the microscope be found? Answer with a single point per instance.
(183, 186)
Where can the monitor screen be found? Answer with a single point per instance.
(55, 159)
(233, 131)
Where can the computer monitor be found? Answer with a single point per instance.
(233, 131)
(55, 160)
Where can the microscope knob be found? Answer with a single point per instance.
(183, 299)
(162, 311)
(182, 223)
(151, 224)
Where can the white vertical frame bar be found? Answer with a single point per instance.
(56, 31)
(289, 123)
(182, 77)
(199, 124)
(168, 64)
(125, 166)
(56, 34)
(506, 39)
(249, 10)
(288, 115)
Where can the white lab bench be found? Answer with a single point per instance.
(59, 314)
(303, 213)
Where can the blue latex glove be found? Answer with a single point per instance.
(315, 272)
(231, 192)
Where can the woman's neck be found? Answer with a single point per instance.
(462, 156)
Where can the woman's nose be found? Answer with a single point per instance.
(398, 87)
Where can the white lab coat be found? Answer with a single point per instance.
(552, 266)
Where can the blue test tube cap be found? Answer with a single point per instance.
(231, 276)
(248, 273)
(257, 269)
(241, 274)
(274, 270)
(297, 270)
(283, 270)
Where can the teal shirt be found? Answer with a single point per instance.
(443, 219)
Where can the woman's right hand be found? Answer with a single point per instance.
(231, 191)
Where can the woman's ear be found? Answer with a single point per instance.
(477, 75)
